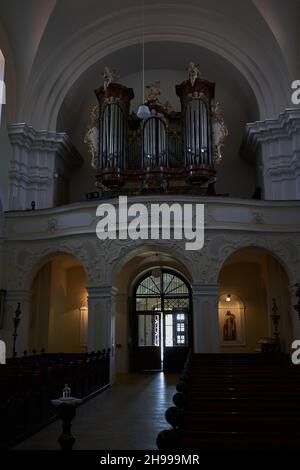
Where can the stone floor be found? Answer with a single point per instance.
(127, 416)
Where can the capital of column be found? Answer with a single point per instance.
(285, 126)
(200, 289)
(19, 295)
(101, 292)
(58, 142)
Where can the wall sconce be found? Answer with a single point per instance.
(228, 298)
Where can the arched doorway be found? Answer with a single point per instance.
(58, 314)
(249, 280)
(161, 321)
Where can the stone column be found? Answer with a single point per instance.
(206, 318)
(101, 321)
(12, 299)
(122, 335)
(274, 145)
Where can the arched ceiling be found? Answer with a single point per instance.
(238, 102)
(162, 64)
(283, 19)
(24, 22)
(54, 43)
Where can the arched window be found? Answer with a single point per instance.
(162, 321)
(2, 84)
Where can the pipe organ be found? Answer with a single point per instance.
(114, 108)
(196, 104)
(162, 151)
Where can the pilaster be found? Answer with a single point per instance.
(40, 160)
(274, 144)
(206, 318)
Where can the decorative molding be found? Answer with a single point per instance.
(17, 295)
(205, 290)
(100, 292)
(52, 225)
(220, 214)
(27, 137)
(103, 260)
(258, 218)
(235, 224)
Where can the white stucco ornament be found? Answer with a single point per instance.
(91, 138)
(219, 131)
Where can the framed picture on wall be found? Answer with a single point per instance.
(232, 321)
(2, 303)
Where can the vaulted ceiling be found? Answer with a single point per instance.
(54, 46)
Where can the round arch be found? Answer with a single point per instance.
(87, 46)
(148, 271)
(258, 277)
(130, 270)
(37, 262)
(283, 251)
(58, 305)
(144, 258)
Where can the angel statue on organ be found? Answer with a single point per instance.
(109, 76)
(193, 72)
(154, 92)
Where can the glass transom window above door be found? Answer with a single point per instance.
(162, 320)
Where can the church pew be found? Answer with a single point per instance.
(235, 402)
(28, 384)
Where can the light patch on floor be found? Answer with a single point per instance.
(127, 416)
